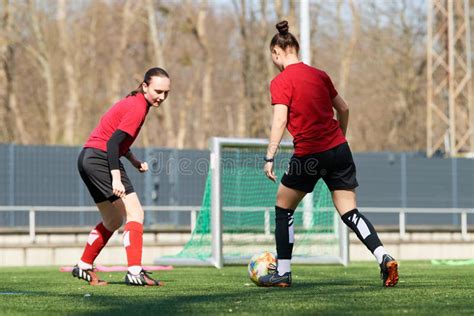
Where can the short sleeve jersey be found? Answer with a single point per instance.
(308, 94)
(127, 115)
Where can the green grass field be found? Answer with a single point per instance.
(423, 290)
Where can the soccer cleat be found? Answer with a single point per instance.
(276, 280)
(87, 275)
(141, 279)
(389, 271)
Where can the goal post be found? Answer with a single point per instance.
(236, 219)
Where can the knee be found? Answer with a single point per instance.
(280, 198)
(135, 216)
(282, 202)
(113, 224)
(289, 198)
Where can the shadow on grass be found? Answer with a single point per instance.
(330, 297)
(228, 291)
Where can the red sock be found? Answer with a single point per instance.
(98, 237)
(133, 242)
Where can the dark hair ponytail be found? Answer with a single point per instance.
(284, 38)
(152, 72)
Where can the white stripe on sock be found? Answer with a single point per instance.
(93, 236)
(291, 231)
(291, 234)
(363, 229)
(126, 239)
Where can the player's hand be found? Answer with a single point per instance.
(268, 169)
(118, 188)
(143, 167)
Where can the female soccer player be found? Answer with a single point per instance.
(104, 175)
(303, 98)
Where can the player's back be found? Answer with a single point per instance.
(310, 115)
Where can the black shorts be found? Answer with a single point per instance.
(335, 166)
(94, 169)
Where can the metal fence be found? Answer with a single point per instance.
(192, 212)
(47, 176)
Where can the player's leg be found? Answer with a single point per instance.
(133, 240)
(94, 170)
(299, 179)
(287, 201)
(98, 238)
(133, 231)
(341, 180)
(345, 203)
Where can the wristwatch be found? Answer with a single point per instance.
(268, 159)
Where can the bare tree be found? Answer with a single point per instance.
(7, 76)
(183, 120)
(70, 73)
(391, 80)
(243, 103)
(159, 60)
(254, 68)
(347, 50)
(41, 54)
(88, 64)
(216, 55)
(201, 35)
(118, 52)
(286, 10)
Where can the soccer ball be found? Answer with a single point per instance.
(261, 264)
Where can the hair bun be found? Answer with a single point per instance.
(283, 27)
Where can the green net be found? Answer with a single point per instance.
(248, 200)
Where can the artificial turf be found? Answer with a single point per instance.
(322, 290)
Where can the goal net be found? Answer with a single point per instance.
(237, 219)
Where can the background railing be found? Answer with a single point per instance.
(402, 220)
(32, 210)
(193, 212)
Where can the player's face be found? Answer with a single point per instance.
(157, 90)
(277, 57)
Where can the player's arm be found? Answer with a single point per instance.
(113, 145)
(342, 112)
(141, 166)
(280, 116)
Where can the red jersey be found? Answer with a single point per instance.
(126, 115)
(308, 92)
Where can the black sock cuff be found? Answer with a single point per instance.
(283, 212)
(281, 209)
(346, 216)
